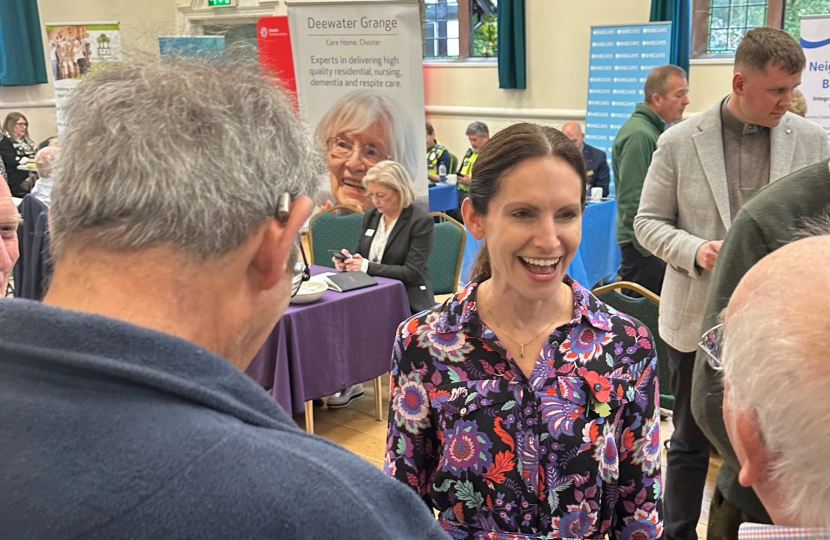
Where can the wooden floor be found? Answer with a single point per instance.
(355, 428)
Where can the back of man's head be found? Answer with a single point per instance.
(765, 46)
(657, 81)
(776, 358)
(44, 159)
(191, 154)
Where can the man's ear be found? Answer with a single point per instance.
(270, 261)
(755, 467)
(738, 83)
(472, 220)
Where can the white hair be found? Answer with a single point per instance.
(194, 153)
(362, 109)
(777, 365)
(392, 175)
(44, 159)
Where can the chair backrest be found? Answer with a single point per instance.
(444, 262)
(335, 228)
(453, 163)
(646, 309)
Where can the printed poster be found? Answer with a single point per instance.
(815, 80)
(75, 49)
(359, 76)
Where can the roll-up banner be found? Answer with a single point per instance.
(621, 59)
(192, 46)
(815, 81)
(75, 49)
(359, 73)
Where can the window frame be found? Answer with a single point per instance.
(700, 27)
(465, 38)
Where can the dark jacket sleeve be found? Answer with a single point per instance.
(744, 246)
(420, 246)
(602, 174)
(632, 164)
(8, 153)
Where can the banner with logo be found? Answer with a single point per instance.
(359, 75)
(815, 80)
(621, 59)
(274, 45)
(75, 49)
(192, 46)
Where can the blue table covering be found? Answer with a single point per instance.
(597, 258)
(442, 197)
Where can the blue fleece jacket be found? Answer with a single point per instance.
(110, 431)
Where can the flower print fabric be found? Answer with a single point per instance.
(572, 451)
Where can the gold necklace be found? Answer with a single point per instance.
(521, 345)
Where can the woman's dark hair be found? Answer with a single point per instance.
(502, 153)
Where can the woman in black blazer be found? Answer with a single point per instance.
(395, 242)
(396, 238)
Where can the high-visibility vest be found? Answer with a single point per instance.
(467, 167)
(433, 155)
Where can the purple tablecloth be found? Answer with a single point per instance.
(320, 348)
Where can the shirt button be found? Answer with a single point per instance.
(597, 387)
(464, 410)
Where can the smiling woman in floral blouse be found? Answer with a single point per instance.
(523, 407)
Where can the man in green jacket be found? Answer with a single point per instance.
(666, 96)
(777, 215)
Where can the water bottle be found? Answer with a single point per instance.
(442, 173)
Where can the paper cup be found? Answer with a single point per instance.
(452, 179)
(596, 194)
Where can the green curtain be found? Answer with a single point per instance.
(21, 46)
(679, 12)
(511, 39)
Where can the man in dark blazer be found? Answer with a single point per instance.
(405, 257)
(596, 162)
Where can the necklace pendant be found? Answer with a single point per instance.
(522, 353)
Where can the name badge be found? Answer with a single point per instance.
(423, 287)
(370, 232)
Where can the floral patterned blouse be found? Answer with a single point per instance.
(573, 451)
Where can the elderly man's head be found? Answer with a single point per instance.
(775, 353)
(180, 198)
(9, 221)
(573, 131)
(44, 159)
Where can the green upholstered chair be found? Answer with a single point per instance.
(453, 163)
(444, 262)
(335, 228)
(646, 310)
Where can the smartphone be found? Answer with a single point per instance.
(337, 255)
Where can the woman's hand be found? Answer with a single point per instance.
(355, 263)
(341, 265)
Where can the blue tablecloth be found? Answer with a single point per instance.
(598, 256)
(442, 197)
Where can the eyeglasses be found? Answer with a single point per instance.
(712, 343)
(24, 124)
(344, 149)
(302, 272)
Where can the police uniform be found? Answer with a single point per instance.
(437, 155)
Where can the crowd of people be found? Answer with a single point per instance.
(521, 407)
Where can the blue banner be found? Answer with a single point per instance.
(621, 59)
(192, 46)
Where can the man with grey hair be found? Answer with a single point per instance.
(9, 250)
(773, 349)
(125, 409)
(478, 134)
(776, 216)
(43, 186)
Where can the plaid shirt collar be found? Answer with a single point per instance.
(756, 531)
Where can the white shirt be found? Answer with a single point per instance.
(378, 243)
